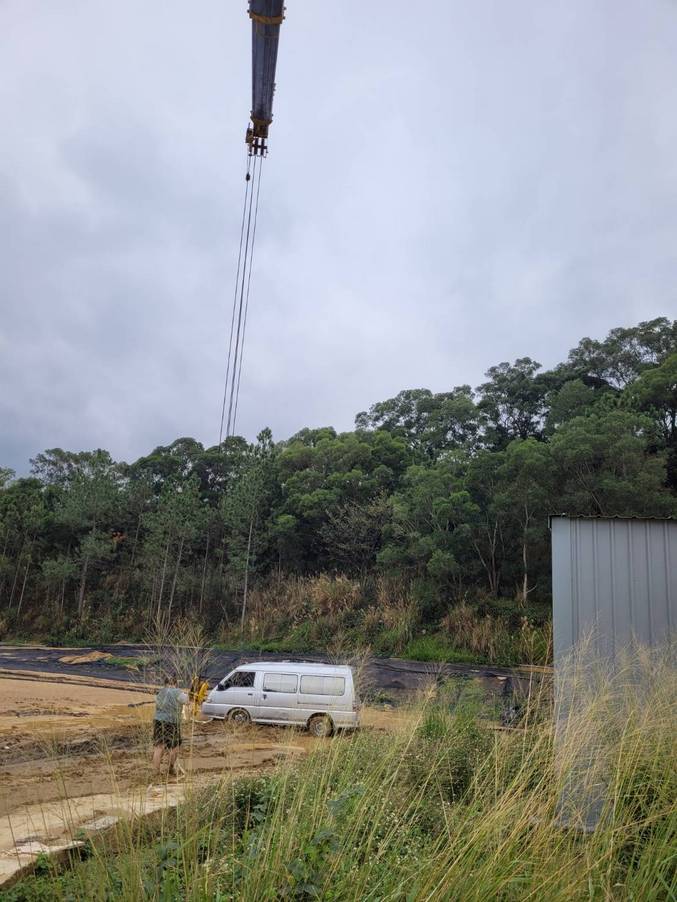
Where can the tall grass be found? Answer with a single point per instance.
(445, 806)
(298, 614)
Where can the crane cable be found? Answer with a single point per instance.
(231, 388)
(249, 281)
(237, 283)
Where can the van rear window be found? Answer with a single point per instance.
(279, 682)
(323, 685)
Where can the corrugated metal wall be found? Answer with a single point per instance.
(613, 581)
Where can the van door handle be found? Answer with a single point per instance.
(264, 695)
(251, 693)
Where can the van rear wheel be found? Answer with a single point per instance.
(320, 725)
(239, 716)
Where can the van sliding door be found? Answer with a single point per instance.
(277, 700)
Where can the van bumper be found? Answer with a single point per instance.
(344, 720)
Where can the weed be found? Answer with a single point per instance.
(443, 807)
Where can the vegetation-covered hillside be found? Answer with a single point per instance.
(426, 524)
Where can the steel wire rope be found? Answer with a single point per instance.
(246, 302)
(240, 309)
(237, 285)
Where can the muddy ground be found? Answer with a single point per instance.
(75, 756)
(75, 738)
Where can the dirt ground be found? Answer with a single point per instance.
(75, 756)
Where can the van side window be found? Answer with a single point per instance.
(241, 679)
(323, 685)
(280, 682)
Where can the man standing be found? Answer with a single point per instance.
(167, 724)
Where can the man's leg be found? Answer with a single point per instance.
(157, 757)
(172, 756)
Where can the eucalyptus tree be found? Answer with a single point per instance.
(488, 517)
(430, 423)
(451, 489)
(353, 533)
(429, 537)
(526, 493)
(607, 465)
(655, 394)
(512, 402)
(624, 354)
(319, 473)
(573, 398)
(172, 464)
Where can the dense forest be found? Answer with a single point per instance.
(423, 529)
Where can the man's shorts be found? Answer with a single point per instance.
(166, 734)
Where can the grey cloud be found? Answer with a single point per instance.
(448, 186)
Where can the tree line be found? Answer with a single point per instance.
(450, 492)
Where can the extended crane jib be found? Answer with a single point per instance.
(266, 17)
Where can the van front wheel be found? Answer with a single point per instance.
(320, 725)
(239, 716)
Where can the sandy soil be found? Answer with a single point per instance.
(43, 701)
(75, 757)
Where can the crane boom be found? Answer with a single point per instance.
(266, 16)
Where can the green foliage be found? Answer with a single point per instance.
(655, 394)
(429, 532)
(624, 354)
(445, 494)
(574, 398)
(437, 648)
(513, 401)
(457, 741)
(442, 806)
(604, 467)
(431, 424)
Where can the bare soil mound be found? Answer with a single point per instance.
(92, 657)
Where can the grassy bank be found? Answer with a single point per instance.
(445, 807)
(339, 616)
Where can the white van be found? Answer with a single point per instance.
(318, 696)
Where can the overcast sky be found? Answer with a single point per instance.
(450, 184)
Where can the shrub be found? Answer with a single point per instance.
(440, 807)
(437, 648)
(485, 636)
